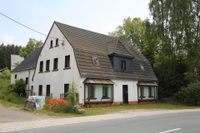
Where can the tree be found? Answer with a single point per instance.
(132, 30)
(5, 53)
(177, 27)
(30, 47)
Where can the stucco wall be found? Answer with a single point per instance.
(57, 79)
(23, 75)
(118, 90)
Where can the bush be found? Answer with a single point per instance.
(189, 95)
(57, 105)
(71, 95)
(20, 87)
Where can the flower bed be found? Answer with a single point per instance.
(57, 105)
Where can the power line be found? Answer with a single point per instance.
(22, 24)
(34, 30)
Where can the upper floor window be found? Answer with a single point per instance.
(57, 44)
(51, 44)
(123, 65)
(47, 65)
(55, 65)
(95, 61)
(67, 61)
(41, 66)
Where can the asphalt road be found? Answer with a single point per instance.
(187, 122)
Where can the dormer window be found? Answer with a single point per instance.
(51, 44)
(123, 65)
(57, 44)
(95, 61)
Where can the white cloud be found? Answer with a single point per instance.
(7, 39)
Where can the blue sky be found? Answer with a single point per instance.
(102, 16)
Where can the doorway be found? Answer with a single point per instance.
(125, 94)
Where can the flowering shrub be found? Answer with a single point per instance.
(57, 105)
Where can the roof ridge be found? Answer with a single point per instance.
(84, 29)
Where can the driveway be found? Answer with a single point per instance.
(15, 115)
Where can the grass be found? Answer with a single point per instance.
(112, 109)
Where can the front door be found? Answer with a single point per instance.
(125, 94)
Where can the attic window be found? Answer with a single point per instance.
(57, 42)
(95, 61)
(51, 44)
(142, 67)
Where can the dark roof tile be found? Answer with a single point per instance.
(30, 62)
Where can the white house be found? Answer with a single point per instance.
(25, 69)
(105, 70)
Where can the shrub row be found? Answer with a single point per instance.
(189, 95)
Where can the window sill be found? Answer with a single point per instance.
(50, 47)
(56, 45)
(47, 71)
(41, 72)
(66, 68)
(92, 98)
(105, 98)
(54, 70)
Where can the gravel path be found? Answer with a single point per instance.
(15, 115)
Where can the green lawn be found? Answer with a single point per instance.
(112, 109)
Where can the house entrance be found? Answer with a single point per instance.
(125, 94)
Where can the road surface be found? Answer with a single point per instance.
(184, 122)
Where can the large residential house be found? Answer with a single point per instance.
(104, 69)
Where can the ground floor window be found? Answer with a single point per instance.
(40, 90)
(98, 93)
(48, 92)
(147, 92)
(66, 89)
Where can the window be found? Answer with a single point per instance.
(123, 65)
(57, 42)
(41, 66)
(67, 61)
(105, 92)
(66, 89)
(142, 67)
(26, 80)
(47, 65)
(48, 91)
(51, 44)
(151, 91)
(142, 92)
(55, 65)
(31, 90)
(92, 92)
(15, 76)
(40, 90)
(95, 61)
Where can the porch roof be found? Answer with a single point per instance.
(148, 84)
(98, 81)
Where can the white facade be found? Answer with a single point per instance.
(118, 90)
(57, 79)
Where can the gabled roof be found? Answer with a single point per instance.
(87, 44)
(29, 62)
